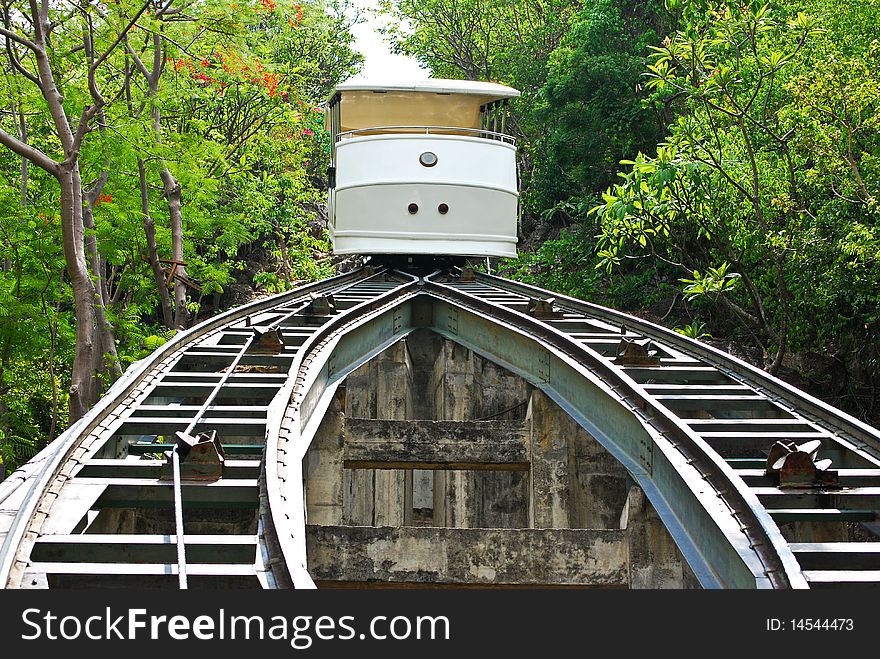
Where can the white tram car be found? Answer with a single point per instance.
(422, 168)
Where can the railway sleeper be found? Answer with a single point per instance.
(144, 548)
(139, 575)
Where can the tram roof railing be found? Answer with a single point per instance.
(428, 130)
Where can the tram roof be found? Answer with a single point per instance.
(488, 91)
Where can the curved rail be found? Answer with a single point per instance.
(726, 530)
(692, 425)
(858, 434)
(735, 414)
(60, 469)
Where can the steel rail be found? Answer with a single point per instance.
(844, 437)
(764, 538)
(53, 457)
(327, 359)
(693, 488)
(197, 418)
(863, 436)
(178, 520)
(283, 518)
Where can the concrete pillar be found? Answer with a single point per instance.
(393, 401)
(358, 497)
(654, 559)
(422, 503)
(360, 392)
(423, 346)
(379, 389)
(599, 484)
(454, 383)
(451, 499)
(453, 395)
(500, 394)
(549, 437)
(497, 499)
(575, 481)
(467, 387)
(322, 469)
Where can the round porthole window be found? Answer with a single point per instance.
(428, 159)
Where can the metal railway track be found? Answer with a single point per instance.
(691, 424)
(730, 410)
(62, 526)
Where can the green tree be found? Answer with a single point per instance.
(182, 130)
(592, 105)
(36, 35)
(762, 167)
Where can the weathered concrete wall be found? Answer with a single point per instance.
(379, 443)
(481, 499)
(654, 559)
(435, 465)
(467, 387)
(380, 389)
(468, 556)
(576, 483)
(322, 469)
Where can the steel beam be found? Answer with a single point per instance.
(708, 532)
(146, 492)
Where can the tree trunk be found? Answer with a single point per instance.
(4, 406)
(82, 380)
(106, 357)
(152, 250)
(173, 194)
(285, 264)
(82, 377)
(52, 326)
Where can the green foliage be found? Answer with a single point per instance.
(759, 204)
(724, 186)
(30, 400)
(695, 330)
(592, 107)
(562, 265)
(240, 126)
(763, 195)
(714, 281)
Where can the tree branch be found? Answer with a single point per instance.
(16, 63)
(9, 34)
(36, 156)
(93, 85)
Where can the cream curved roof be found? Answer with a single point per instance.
(488, 90)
